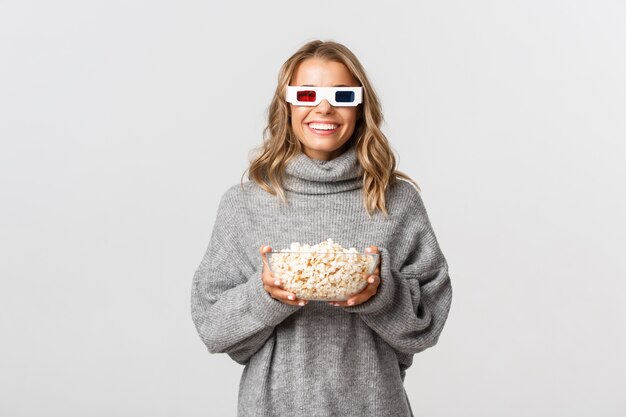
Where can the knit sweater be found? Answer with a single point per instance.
(319, 360)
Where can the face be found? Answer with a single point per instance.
(306, 120)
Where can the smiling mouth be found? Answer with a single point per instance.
(323, 128)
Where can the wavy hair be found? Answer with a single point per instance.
(280, 145)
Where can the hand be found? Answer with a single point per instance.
(373, 281)
(272, 284)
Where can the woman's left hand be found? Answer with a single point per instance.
(373, 281)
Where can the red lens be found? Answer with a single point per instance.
(306, 95)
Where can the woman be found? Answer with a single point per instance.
(325, 170)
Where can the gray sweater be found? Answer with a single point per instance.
(320, 360)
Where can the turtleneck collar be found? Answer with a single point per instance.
(304, 175)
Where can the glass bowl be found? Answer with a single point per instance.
(323, 276)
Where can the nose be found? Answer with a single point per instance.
(324, 107)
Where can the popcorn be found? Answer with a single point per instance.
(325, 271)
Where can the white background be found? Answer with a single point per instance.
(123, 122)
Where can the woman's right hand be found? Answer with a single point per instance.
(272, 284)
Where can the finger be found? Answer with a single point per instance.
(296, 302)
(273, 292)
(284, 296)
(269, 278)
(263, 250)
(352, 301)
(359, 298)
(372, 249)
(368, 292)
(373, 282)
(373, 278)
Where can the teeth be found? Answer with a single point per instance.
(323, 126)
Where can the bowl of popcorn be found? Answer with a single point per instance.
(325, 271)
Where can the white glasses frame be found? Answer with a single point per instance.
(328, 93)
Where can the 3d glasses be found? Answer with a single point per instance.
(336, 96)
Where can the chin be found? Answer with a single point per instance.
(322, 145)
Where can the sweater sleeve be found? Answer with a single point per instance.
(231, 310)
(412, 303)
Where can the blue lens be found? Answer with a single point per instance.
(344, 96)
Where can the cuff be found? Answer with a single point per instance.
(386, 289)
(270, 311)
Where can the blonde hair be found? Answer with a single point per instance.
(280, 145)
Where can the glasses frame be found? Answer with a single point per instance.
(321, 93)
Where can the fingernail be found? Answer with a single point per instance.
(301, 303)
(350, 302)
(368, 250)
(370, 280)
(277, 282)
(291, 297)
